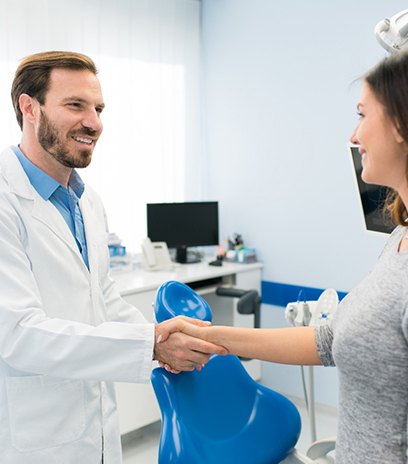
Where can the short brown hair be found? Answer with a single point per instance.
(33, 74)
(389, 83)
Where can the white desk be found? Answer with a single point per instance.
(137, 403)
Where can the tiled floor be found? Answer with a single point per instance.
(141, 447)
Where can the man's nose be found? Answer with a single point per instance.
(93, 121)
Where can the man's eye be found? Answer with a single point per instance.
(74, 105)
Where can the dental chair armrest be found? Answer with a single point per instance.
(249, 301)
(230, 292)
(297, 458)
(321, 448)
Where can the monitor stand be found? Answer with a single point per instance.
(183, 258)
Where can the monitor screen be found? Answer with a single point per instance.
(372, 199)
(183, 225)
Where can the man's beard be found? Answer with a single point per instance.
(51, 141)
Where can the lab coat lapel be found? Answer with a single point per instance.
(43, 211)
(48, 214)
(95, 240)
(92, 239)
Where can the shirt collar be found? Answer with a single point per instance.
(44, 184)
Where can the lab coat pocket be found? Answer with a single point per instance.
(45, 411)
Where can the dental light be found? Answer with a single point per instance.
(392, 33)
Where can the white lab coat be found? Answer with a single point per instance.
(65, 333)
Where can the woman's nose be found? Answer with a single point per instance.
(353, 137)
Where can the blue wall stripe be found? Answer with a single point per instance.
(278, 294)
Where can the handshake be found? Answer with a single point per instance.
(181, 345)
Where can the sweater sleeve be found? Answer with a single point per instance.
(404, 320)
(324, 342)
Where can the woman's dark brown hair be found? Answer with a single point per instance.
(389, 83)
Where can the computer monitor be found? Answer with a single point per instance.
(372, 199)
(183, 225)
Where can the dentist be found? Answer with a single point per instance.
(65, 333)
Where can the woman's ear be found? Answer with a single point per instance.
(29, 107)
(396, 133)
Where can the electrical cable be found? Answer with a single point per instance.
(302, 370)
(309, 397)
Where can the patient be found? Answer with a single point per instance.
(368, 337)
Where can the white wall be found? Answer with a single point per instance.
(279, 108)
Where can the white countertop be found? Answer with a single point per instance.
(139, 280)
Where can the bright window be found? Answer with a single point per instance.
(148, 55)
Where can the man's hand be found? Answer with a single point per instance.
(177, 351)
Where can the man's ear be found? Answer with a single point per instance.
(29, 107)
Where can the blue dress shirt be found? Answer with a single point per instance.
(65, 200)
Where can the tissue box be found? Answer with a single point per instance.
(246, 255)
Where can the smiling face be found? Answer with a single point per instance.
(69, 123)
(383, 150)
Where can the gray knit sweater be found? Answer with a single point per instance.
(367, 341)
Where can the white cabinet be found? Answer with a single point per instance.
(137, 405)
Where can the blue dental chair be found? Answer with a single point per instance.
(220, 415)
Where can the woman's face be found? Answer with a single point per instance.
(384, 152)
